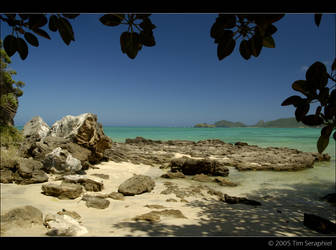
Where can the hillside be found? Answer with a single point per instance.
(278, 123)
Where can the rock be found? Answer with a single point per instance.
(190, 166)
(29, 171)
(96, 202)
(141, 140)
(225, 182)
(201, 178)
(61, 161)
(62, 191)
(319, 224)
(85, 131)
(171, 200)
(137, 184)
(173, 175)
(103, 176)
(331, 198)
(6, 176)
(36, 128)
(24, 216)
(63, 225)
(154, 206)
(235, 200)
(72, 214)
(116, 196)
(240, 143)
(155, 216)
(89, 184)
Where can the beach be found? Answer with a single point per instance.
(281, 213)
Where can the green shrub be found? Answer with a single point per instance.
(10, 136)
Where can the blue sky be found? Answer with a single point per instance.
(178, 82)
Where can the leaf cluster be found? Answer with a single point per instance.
(315, 89)
(25, 27)
(255, 31)
(139, 33)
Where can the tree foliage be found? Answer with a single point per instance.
(249, 32)
(10, 90)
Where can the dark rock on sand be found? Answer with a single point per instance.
(96, 202)
(319, 224)
(62, 191)
(235, 200)
(190, 166)
(155, 216)
(137, 184)
(173, 175)
(89, 184)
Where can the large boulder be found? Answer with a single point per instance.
(137, 184)
(36, 128)
(96, 202)
(85, 131)
(90, 184)
(63, 191)
(61, 161)
(23, 217)
(190, 166)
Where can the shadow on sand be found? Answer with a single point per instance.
(281, 214)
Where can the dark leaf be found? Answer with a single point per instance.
(256, 44)
(317, 73)
(147, 38)
(326, 131)
(312, 120)
(142, 16)
(334, 135)
(71, 16)
(111, 19)
(317, 19)
(323, 95)
(245, 50)
(22, 48)
(31, 39)
(147, 25)
(270, 30)
(268, 42)
(292, 100)
(274, 17)
(11, 16)
(10, 45)
(333, 66)
(329, 112)
(37, 21)
(53, 23)
(130, 44)
(42, 33)
(24, 16)
(226, 21)
(322, 143)
(302, 86)
(225, 48)
(65, 30)
(301, 111)
(318, 110)
(223, 35)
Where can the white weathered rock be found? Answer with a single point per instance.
(36, 127)
(60, 160)
(63, 225)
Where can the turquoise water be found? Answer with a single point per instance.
(300, 138)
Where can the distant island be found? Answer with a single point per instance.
(278, 123)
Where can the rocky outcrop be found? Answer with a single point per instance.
(137, 184)
(155, 216)
(36, 128)
(242, 200)
(61, 161)
(85, 131)
(190, 166)
(63, 190)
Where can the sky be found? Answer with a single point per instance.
(177, 83)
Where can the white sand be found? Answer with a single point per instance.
(283, 203)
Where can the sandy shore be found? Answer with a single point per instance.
(281, 214)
